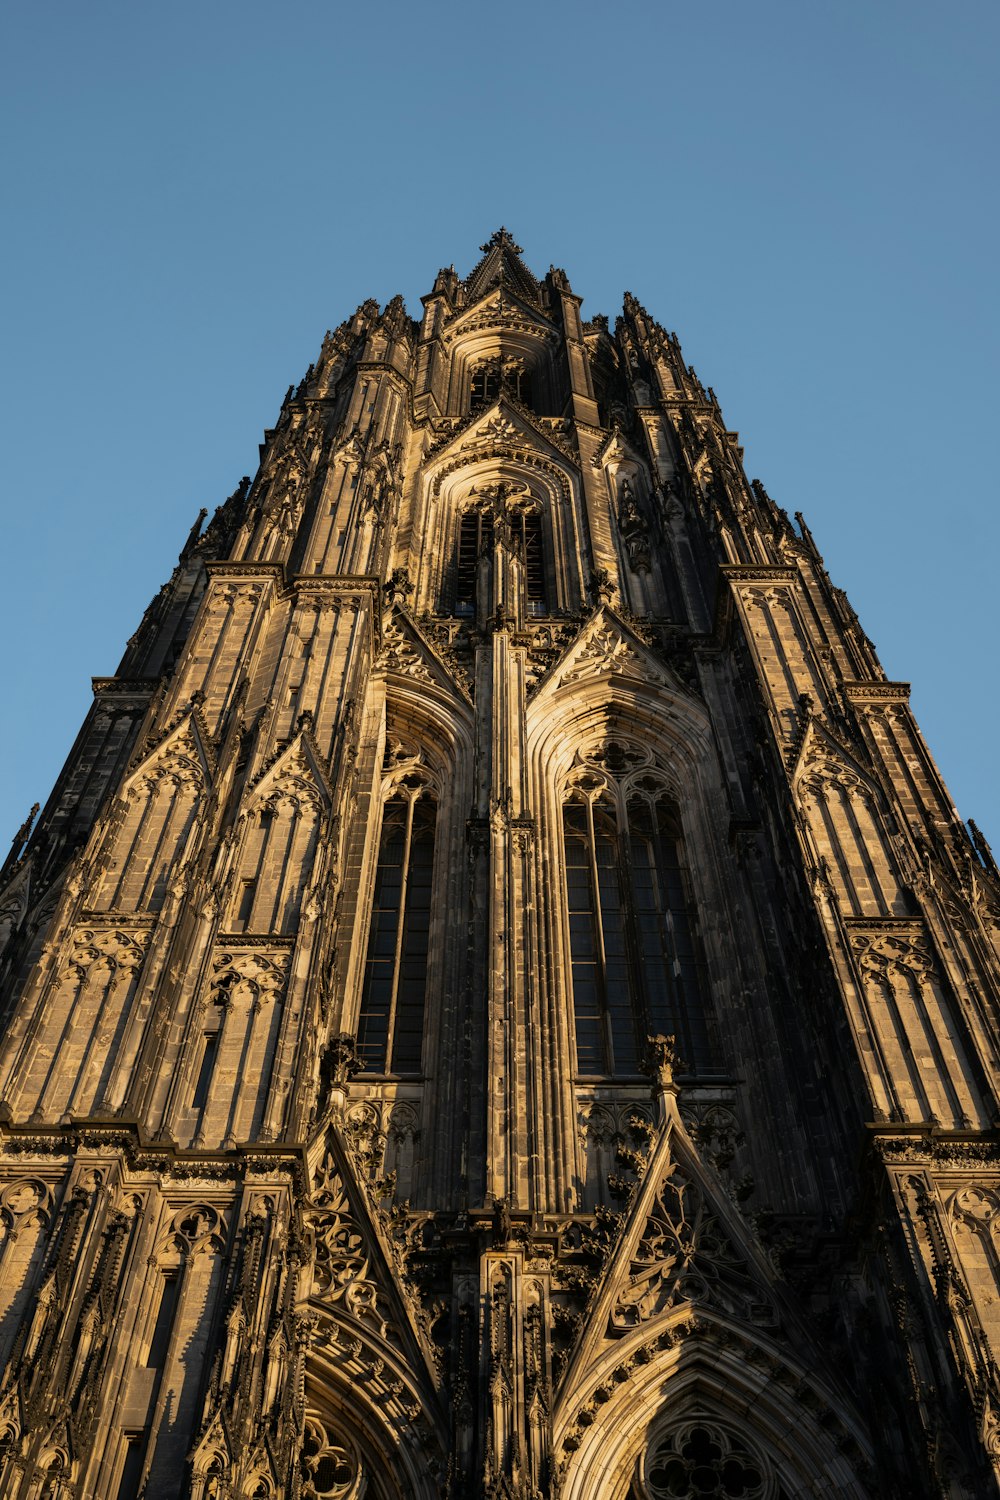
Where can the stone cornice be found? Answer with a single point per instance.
(127, 919)
(333, 590)
(320, 584)
(755, 573)
(386, 367)
(164, 1157)
(141, 688)
(253, 940)
(904, 926)
(871, 691)
(929, 1145)
(229, 569)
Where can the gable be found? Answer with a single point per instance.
(184, 751)
(605, 648)
(504, 430)
(297, 769)
(406, 652)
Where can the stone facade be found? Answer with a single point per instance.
(499, 1002)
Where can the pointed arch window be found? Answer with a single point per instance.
(634, 964)
(485, 385)
(496, 376)
(391, 1022)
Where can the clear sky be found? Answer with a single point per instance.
(804, 191)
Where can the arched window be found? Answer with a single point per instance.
(391, 1023)
(634, 966)
(499, 375)
(700, 1457)
(606, 1040)
(485, 385)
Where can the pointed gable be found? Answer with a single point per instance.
(407, 652)
(822, 752)
(682, 1242)
(502, 266)
(686, 1292)
(605, 647)
(615, 449)
(185, 750)
(354, 1276)
(298, 769)
(505, 430)
(685, 1260)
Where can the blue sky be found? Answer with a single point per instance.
(805, 192)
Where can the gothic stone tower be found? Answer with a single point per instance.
(499, 1002)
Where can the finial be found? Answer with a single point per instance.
(193, 535)
(23, 833)
(502, 239)
(337, 1064)
(662, 1063)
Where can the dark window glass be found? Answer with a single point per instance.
(391, 1024)
(602, 999)
(485, 386)
(499, 377)
(584, 931)
(634, 963)
(530, 531)
(670, 969)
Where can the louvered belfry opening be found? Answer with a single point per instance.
(475, 537)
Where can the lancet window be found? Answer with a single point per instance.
(633, 958)
(391, 1022)
(528, 530)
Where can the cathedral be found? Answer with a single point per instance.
(499, 1002)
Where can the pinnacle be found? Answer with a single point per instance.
(501, 239)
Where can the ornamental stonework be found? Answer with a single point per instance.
(499, 1004)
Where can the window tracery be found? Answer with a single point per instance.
(474, 538)
(499, 375)
(633, 960)
(332, 1468)
(519, 526)
(700, 1459)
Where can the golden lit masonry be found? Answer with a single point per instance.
(499, 1002)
